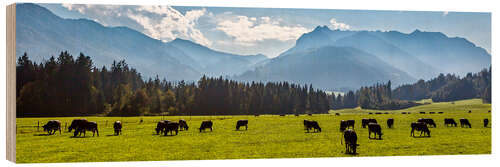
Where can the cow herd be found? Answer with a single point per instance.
(166, 127)
(375, 130)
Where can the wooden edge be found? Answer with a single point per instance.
(11, 82)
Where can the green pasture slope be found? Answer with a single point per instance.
(268, 136)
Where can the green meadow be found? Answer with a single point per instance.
(268, 136)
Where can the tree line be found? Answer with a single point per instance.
(65, 86)
(378, 96)
(443, 88)
(449, 88)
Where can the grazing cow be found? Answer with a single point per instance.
(337, 114)
(378, 113)
(160, 126)
(52, 126)
(432, 112)
(365, 122)
(428, 121)
(489, 111)
(390, 122)
(282, 115)
(118, 127)
(403, 113)
(350, 123)
(450, 121)
(485, 122)
(82, 125)
(465, 122)
(422, 112)
(183, 125)
(309, 114)
(241, 123)
(470, 111)
(376, 129)
(420, 126)
(256, 115)
(171, 127)
(343, 125)
(350, 139)
(440, 112)
(296, 115)
(370, 113)
(308, 125)
(206, 124)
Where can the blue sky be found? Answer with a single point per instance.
(271, 31)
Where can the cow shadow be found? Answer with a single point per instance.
(421, 137)
(351, 154)
(41, 134)
(167, 135)
(111, 135)
(376, 139)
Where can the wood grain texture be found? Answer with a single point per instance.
(11, 82)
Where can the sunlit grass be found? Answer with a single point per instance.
(268, 136)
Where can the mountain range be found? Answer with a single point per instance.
(328, 59)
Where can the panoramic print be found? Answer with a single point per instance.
(99, 83)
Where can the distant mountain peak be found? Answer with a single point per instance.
(418, 32)
(321, 28)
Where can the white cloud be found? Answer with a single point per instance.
(160, 22)
(338, 25)
(445, 13)
(247, 31)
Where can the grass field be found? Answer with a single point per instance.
(268, 136)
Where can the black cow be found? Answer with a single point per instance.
(160, 126)
(118, 127)
(420, 126)
(296, 115)
(422, 112)
(52, 126)
(376, 129)
(350, 123)
(465, 122)
(82, 125)
(282, 115)
(365, 122)
(241, 123)
(206, 124)
(450, 121)
(183, 125)
(311, 125)
(485, 122)
(351, 140)
(428, 121)
(256, 115)
(390, 122)
(343, 125)
(470, 111)
(171, 127)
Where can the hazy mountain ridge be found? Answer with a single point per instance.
(422, 55)
(328, 67)
(329, 59)
(42, 34)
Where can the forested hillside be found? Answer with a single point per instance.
(65, 86)
(443, 88)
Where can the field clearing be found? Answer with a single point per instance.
(268, 136)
